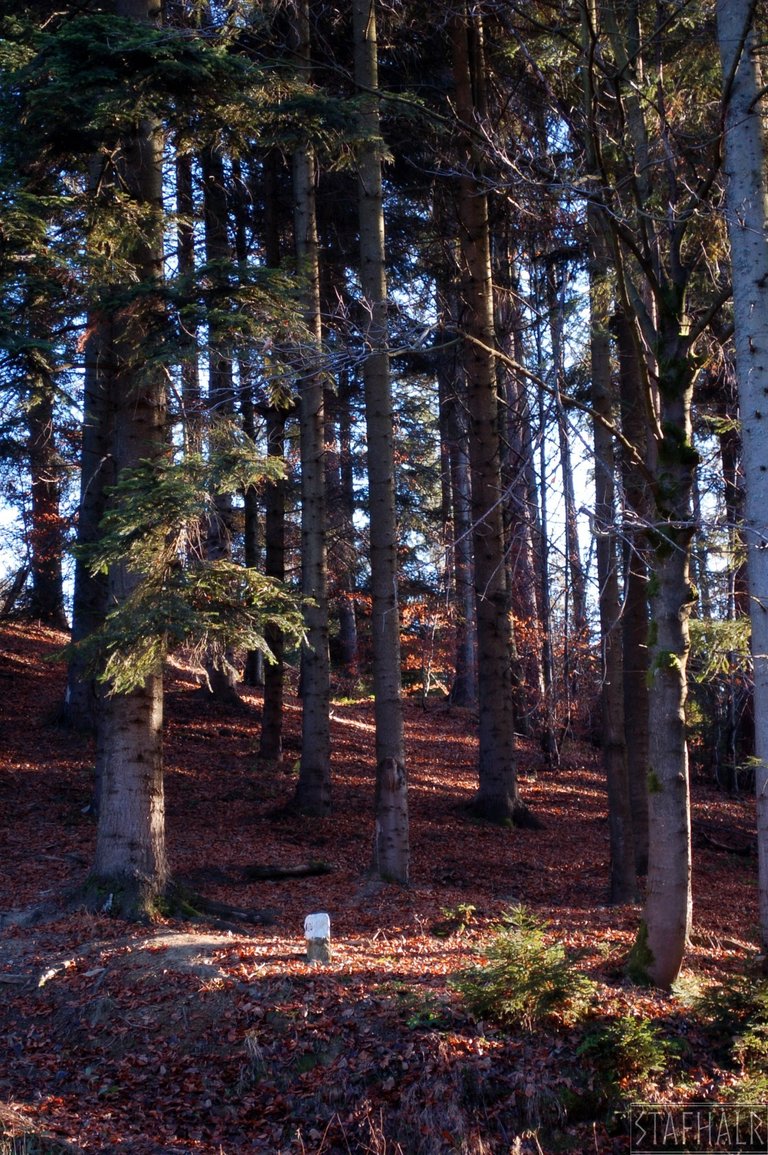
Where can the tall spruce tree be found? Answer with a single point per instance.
(391, 839)
(130, 863)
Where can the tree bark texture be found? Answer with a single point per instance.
(271, 737)
(668, 909)
(634, 620)
(746, 151)
(313, 791)
(497, 797)
(391, 840)
(623, 882)
(130, 858)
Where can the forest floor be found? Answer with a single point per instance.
(195, 1037)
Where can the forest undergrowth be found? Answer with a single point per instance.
(483, 1010)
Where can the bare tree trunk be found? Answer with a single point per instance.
(313, 791)
(222, 675)
(623, 882)
(348, 641)
(746, 145)
(464, 688)
(391, 842)
(521, 515)
(574, 570)
(271, 738)
(540, 499)
(253, 672)
(635, 610)
(497, 797)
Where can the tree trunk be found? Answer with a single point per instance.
(634, 630)
(313, 791)
(464, 688)
(271, 737)
(191, 394)
(47, 525)
(746, 152)
(253, 672)
(520, 513)
(623, 882)
(130, 867)
(220, 668)
(497, 797)
(97, 474)
(348, 640)
(391, 845)
(668, 894)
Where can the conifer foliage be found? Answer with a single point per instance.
(311, 304)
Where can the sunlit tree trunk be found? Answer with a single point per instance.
(746, 152)
(391, 841)
(313, 791)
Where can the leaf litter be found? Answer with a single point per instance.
(189, 1038)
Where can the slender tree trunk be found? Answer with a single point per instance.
(746, 151)
(575, 571)
(220, 668)
(313, 791)
(253, 672)
(97, 474)
(464, 689)
(47, 525)
(623, 882)
(740, 705)
(348, 640)
(520, 523)
(454, 445)
(130, 862)
(271, 737)
(191, 393)
(391, 843)
(635, 609)
(539, 500)
(497, 797)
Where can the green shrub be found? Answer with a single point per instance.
(525, 980)
(736, 1017)
(626, 1049)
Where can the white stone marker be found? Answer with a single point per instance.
(317, 932)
